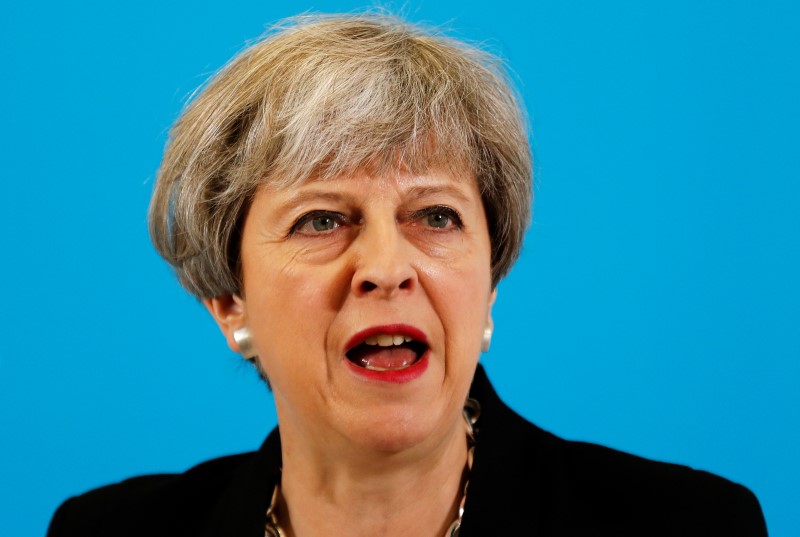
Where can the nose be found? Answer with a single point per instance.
(383, 262)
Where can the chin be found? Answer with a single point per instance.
(393, 431)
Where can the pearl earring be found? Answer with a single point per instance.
(487, 339)
(245, 342)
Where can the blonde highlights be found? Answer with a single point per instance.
(323, 96)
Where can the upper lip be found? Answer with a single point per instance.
(394, 329)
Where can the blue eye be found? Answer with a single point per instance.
(439, 217)
(318, 223)
(438, 220)
(323, 223)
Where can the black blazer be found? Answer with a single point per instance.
(524, 481)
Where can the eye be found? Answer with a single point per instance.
(323, 223)
(438, 220)
(318, 223)
(439, 217)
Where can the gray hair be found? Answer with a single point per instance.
(322, 96)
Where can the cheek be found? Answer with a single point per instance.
(461, 299)
(290, 311)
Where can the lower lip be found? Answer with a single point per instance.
(395, 376)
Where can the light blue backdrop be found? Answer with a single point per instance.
(655, 307)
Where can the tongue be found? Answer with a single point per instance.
(386, 358)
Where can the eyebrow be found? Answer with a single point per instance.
(430, 190)
(420, 191)
(302, 197)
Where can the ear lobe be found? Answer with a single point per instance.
(489, 328)
(492, 298)
(229, 313)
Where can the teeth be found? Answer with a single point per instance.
(402, 365)
(387, 340)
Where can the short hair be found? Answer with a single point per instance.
(325, 95)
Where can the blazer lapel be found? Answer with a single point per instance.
(242, 506)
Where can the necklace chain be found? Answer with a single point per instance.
(471, 413)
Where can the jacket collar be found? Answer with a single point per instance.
(241, 509)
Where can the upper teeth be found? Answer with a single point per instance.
(387, 340)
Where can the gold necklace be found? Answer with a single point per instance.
(471, 413)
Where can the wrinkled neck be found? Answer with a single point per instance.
(332, 486)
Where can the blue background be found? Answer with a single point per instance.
(655, 307)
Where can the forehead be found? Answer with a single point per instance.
(458, 184)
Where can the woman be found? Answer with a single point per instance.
(344, 198)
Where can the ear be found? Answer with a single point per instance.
(492, 298)
(228, 312)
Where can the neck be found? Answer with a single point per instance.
(364, 492)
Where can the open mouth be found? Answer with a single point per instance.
(387, 352)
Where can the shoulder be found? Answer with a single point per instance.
(164, 504)
(535, 480)
(578, 488)
(655, 498)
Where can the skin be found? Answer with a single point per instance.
(324, 260)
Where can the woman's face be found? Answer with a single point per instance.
(367, 298)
